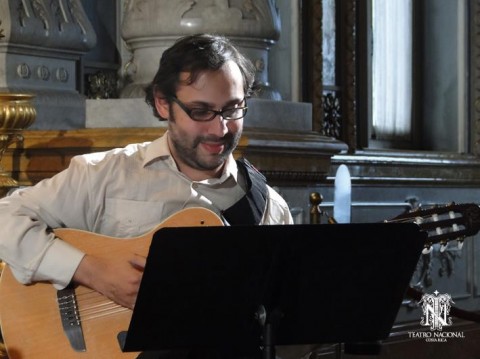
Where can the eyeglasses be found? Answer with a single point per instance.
(205, 114)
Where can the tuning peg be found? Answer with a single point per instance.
(460, 243)
(443, 246)
(427, 249)
(418, 219)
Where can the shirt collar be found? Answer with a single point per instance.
(157, 150)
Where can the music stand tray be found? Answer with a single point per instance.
(219, 287)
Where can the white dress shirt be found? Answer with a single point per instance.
(124, 192)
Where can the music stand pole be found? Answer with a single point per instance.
(269, 321)
(268, 342)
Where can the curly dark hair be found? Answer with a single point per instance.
(195, 54)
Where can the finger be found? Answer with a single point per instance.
(138, 262)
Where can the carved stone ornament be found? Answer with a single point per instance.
(53, 24)
(41, 44)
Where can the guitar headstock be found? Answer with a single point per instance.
(444, 223)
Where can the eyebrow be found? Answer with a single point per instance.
(229, 104)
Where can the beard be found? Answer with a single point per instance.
(187, 147)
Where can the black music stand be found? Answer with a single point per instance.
(245, 289)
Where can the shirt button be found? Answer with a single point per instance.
(194, 185)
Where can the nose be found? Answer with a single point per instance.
(219, 128)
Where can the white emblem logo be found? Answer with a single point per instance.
(436, 309)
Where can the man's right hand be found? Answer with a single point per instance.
(117, 278)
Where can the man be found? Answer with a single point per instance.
(201, 89)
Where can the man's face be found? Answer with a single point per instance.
(202, 147)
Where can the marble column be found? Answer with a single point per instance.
(151, 26)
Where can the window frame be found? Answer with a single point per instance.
(352, 17)
(365, 112)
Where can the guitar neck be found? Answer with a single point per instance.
(445, 223)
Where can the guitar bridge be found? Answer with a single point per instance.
(67, 305)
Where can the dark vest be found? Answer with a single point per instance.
(250, 208)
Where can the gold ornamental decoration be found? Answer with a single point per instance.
(17, 112)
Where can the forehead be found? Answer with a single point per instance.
(227, 79)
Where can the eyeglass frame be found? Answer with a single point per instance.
(215, 113)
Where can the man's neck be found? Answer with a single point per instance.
(199, 175)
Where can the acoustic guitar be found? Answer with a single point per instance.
(38, 321)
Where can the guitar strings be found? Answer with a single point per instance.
(93, 305)
(413, 219)
(429, 219)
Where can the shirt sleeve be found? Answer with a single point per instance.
(27, 217)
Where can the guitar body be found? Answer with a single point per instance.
(29, 314)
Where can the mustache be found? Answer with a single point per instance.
(228, 138)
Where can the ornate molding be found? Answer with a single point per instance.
(347, 53)
(332, 115)
(284, 157)
(443, 260)
(53, 25)
(293, 157)
(316, 63)
(102, 85)
(346, 82)
(410, 168)
(1, 31)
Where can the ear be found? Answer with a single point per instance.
(162, 106)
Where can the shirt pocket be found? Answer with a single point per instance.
(129, 218)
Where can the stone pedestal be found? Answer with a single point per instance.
(151, 26)
(262, 113)
(41, 44)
